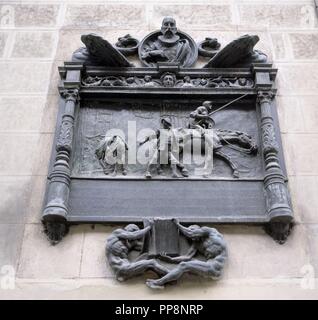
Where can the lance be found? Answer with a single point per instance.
(226, 105)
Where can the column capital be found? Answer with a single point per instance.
(70, 94)
(265, 96)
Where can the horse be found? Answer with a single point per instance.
(212, 143)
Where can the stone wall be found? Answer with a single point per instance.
(37, 36)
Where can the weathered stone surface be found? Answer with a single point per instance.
(49, 116)
(278, 40)
(20, 114)
(301, 153)
(187, 289)
(292, 187)
(40, 260)
(94, 263)
(309, 108)
(305, 45)
(313, 246)
(247, 246)
(14, 198)
(194, 16)
(109, 15)
(54, 78)
(10, 244)
(290, 114)
(297, 78)
(35, 200)
(3, 41)
(32, 77)
(17, 153)
(305, 200)
(43, 151)
(34, 45)
(275, 16)
(29, 15)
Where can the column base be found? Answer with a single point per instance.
(279, 230)
(55, 230)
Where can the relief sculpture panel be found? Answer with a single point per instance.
(234, 156)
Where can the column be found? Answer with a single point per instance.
(55, 211)
(278, 202)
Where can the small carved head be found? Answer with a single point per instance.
(194, 228)
(131, 227)
(168, 27)
(202, 110)
(207, 105)
(166, 124)
(168, 80)
(147, 78)
(187, 79)
(242, 81)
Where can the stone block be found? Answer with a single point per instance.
(312, 230)
(36, 199)
(108, 15)
(301, 152)
(3, 41)
(304, 45)
(255, 255)
(292, 187)
(305, 200)
(278, 16)
(297, 79)
(55, 78)
(17, 153)
(10, 244)
(28, 15)
(290, 114)
(196, 16)
(309, 108)
(14, 193)
(40, 260)
(34, 45)
(21, 113)
(24, 77)
(43, 151)
(49, 116)
(94, 263)
(70, 40)
(279, 46)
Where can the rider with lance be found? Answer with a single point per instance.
(200, 117)
(201, 120)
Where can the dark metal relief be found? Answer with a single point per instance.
(168, 150)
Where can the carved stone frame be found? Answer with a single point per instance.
(278, 216)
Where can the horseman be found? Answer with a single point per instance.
(201, 120)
